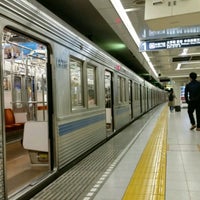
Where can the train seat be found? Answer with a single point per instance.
(13, 130)
(35, 140)
(36, 136)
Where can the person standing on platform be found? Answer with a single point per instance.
(171, 98)
(192, 98)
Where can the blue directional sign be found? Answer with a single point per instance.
(169, 44)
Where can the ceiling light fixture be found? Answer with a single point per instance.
(122, 13)
(178, 66)
(150, 63)
(132, 9)
(184, 52)
(187, 68)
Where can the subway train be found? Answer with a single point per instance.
(61, 97)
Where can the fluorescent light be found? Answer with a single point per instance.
(149, 63)
(124, 17)
(178, 66)
(187, 68)
(184, 52)
(121, 12)
(181, 76)
(132, 9)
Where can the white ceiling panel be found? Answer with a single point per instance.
(162, 60)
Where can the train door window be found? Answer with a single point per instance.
(76, 74)
(121, 89)
(147, 98)
(141, 99)
(25, 109)
(109, 102)
(144, 98)
(91, 85)
(136, 91)
(130, 98)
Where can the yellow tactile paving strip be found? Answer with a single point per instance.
(149, 178)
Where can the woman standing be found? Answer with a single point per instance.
(171, 98)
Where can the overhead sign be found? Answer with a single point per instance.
(169, 44)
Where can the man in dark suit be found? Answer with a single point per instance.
(192, 97)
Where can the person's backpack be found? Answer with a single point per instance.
(171, 97)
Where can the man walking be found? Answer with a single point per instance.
(192, 97)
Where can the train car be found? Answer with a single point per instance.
(61, 96)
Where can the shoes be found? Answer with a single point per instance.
(193, 127)
(197, 129)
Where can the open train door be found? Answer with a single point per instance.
(109, 102)
(26, 110)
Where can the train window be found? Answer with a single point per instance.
(136, 91)
(144, 93)
(130, 91)
(121, 89)
(91, 84)
(108, 89)
(118, 89)
(76, 72)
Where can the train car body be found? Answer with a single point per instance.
(66, 95)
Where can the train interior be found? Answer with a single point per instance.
(25, 110)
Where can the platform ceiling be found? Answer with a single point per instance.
(99, 21)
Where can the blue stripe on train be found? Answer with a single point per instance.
(73, 126)
(120, 111)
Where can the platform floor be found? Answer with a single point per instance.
(107, 172)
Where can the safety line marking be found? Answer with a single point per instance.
(149, 178)
(101, 180)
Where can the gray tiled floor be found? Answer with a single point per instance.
(183, 162)
(116, 184)
(183, 159)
